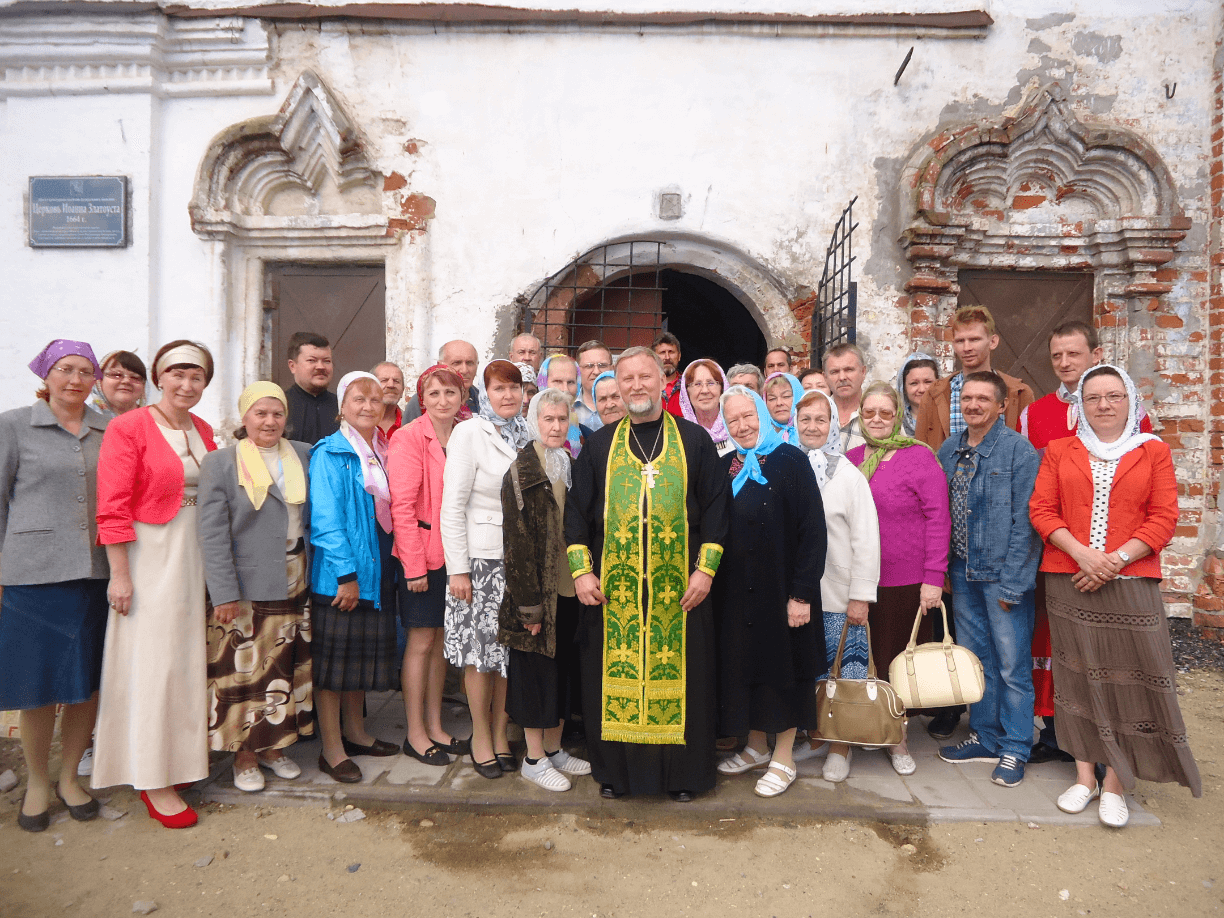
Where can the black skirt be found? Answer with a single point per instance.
(543, 691)
(353, 651)
(423, 610)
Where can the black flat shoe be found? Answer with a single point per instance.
(456, 746)
(345, 772)
(35, 823)
(490, 769)
(681, 796)
(434, 755)
(943, 725)
(507, 761)
(1044, 752)
(608, 792)
(82, 813)
(378, 747)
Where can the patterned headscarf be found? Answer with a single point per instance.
(1131, 437)
(57, 350)
(718, 430)
(373, 457)
(878, 449)
(512, 429)
(824, 458)
(448, 376)
(556, 459)
(769, 438)
(789, 434)
(908, 419)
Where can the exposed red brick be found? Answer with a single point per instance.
(1169, 322)
(418, 208)
(1025, 201)
(394, 182)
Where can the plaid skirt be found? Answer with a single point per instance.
(353, 651)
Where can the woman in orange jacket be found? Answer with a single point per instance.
(1105, 504)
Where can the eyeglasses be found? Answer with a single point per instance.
(70, 373)
(116, 375)
(595, 366)
(1112, 398)
(708, 384)
(883, 413)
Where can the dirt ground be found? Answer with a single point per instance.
(648, 859)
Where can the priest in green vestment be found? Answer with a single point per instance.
(645, 522)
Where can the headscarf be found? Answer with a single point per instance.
(769, 438)
(797, 391)
(1131, 437)
(573, 437)
(908, 420)
(373, 456)
(529, 373)
(184, 355)
(512, 429)
(556, 459)
(450, 377)
(877, 449)
(718, 430)
(253, 476)
(824, 458)
(57, 350)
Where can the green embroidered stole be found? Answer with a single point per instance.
(644, 651)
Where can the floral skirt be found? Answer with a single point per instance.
(471, 629)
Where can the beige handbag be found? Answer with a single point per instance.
(861, 712)
(938, 674)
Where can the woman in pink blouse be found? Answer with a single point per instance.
(414, 472)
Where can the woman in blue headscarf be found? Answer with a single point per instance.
(782, 393)
(770, 651)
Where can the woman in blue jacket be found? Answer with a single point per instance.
(352, 574)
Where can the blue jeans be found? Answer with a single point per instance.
(1003, 719)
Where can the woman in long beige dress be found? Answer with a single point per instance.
(152, 728)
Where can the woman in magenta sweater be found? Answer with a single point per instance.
(911, 497)
(414, 472)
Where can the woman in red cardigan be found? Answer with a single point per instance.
(414, 473)
(1105, 503)
(152, 730)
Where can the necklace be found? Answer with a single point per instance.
(186, 436)
(648, 468)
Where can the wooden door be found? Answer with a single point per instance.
(1027, 306)
(344, 303)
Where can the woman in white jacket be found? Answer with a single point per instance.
(852, 564)
(477, 457)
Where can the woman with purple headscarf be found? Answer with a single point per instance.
(54, 575)
(701, 386)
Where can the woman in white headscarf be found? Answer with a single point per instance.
(539, 612)
(701, 386)
(852, 565)
(254, 518)
(1105, 503)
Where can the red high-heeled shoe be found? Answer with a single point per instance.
(181, 820)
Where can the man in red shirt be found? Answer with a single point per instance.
(391, 378)
(667, 346)
(1074, 349)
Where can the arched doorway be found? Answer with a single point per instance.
(717, 301)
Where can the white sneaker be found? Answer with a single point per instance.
(802, 750)
(85, 766)
(250, 780)
(543, 774)
(837, 767)
(569, 764)
(283, 767)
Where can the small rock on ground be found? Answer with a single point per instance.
(144, 907)
(353, 868)
(8, 781)
(204, 861)
(351, 816)
(109, 812)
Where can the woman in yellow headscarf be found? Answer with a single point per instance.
(254, 520)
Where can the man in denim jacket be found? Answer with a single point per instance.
(993, 567)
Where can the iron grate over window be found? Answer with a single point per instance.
(834, 319)
(613, 293)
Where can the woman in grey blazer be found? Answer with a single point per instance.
(54, 575)
(254, 519)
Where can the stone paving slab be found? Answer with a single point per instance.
(936, 793)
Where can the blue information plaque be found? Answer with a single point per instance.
(78, 211)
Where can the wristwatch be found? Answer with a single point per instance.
(1123, 555)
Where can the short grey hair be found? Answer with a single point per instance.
(839, 350)
(526, 335)
(747, 369)
(630, 353)
(554, 397)
(442, 349)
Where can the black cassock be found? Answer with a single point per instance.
(776, 550)
(310, 417)
(648, 768)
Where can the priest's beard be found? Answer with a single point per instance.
(641, 411)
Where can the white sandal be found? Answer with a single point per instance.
(743, 761)
(1113, 811)
(282, 767)
(775, 781)
(1075, 799)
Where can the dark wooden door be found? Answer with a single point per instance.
(1027, 306)
(344, 303)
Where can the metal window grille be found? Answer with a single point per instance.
(834, 319)
(613, 293)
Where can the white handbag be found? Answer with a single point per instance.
(938, 674)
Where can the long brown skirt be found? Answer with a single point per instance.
(891, 618)
(1115, 688)
(260, 693)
